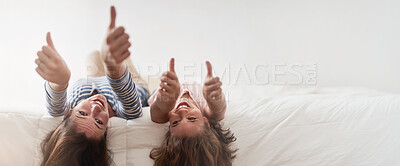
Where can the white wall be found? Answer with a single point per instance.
(352, 42)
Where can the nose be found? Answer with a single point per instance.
(183, 112)
(185, 94)
(95, 109)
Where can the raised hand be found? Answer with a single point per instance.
(51, 66)
(167, 95)
(115, 48)
(212, 86)
(212, 92)
(169, 87)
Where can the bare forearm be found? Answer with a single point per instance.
(158, 114)
(216, 108)
(166, 99)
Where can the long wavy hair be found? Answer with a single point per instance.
(211, 147)
(64, 146)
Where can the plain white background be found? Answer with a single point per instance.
(352, 42)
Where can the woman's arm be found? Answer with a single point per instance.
(52, 68)
(115, 50)
(166, 95)
(56, 101)
(212, 92)
(128, 96)
(158, 113)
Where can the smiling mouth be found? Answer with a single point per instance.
(182, 105)
(100, 102)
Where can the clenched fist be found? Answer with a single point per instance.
(51, 66)
(167, 95)
(169, 89)
(212, 86)
(214, 96)
(115, 48)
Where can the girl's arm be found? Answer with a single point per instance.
(212, 92)
(56, 101)
(52, 68)
(216, 109)
(165, 96)
(129, 103)
(115, 50)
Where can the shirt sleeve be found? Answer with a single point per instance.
(128, 99)
(56, 102)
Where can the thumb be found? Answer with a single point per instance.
(209, 69)
(113, 16)
(172, 65)
(49, 41)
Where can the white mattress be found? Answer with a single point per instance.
(273, 126)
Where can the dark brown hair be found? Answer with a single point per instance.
(210, 147)
(64, 146)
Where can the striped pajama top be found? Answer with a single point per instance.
(122, 94)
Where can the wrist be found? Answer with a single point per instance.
(115, 71)
(217, 105)
(165, 104)
(58, 87)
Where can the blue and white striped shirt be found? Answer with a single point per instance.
(122, 94)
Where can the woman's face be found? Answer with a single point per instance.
(91, 116)
(186, 119)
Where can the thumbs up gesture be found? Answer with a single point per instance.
(116, 45)
(51, 66)
(169, 87)
(212, 91)
(167, 94)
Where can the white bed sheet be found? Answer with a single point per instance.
(273, 126)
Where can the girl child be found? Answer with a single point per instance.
(195, 136)
(80, 139)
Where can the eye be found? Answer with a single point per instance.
(82, 113)
(175, 123)
(191, 118)
(99, 122)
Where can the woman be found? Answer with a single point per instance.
(195, 136)
(81, 137)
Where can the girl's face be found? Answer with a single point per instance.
(186, 119)
(91, 116)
